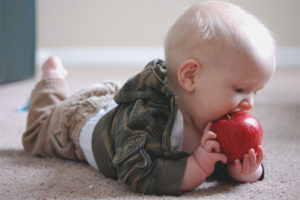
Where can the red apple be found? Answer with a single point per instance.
(237, 133)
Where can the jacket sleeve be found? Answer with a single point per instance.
(144, 173)
(142, 160)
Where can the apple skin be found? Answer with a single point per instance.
(237, 134)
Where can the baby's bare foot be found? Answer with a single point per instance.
(53, 68)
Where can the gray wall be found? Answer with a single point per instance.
(97, 23)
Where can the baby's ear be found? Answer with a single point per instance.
(187, 74)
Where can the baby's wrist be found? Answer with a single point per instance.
(193, 175)
(203, 167)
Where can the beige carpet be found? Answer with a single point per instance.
(27, 177)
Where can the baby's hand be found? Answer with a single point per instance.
(202, 162)
(250, 170)
(208, 152)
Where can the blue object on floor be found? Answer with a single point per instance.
(25, 107)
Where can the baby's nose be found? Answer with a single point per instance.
(246, 105)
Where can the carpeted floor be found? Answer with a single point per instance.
(26, 177)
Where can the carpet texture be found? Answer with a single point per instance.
(27, 177)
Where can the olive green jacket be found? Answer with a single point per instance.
(132, 142)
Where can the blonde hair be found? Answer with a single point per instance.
(222, 23)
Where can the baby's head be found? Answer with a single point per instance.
(217, 57)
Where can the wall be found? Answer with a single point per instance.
(143, 23)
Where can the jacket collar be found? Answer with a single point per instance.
(148, 84)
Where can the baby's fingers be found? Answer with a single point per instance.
(252, 158)
(246, 166)
(211, 146)
(236, 166)
(207, 127)
(208, 136)
(219, 157)
(260, 154)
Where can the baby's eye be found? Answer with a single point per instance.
(239, 90)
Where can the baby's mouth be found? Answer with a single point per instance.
(222, 117)
(233, 111)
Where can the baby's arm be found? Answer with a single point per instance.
(250, 170)
(201, 164)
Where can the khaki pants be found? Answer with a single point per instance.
(54, 120)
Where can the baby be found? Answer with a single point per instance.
(154, 133)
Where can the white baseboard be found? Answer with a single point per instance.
(134, 56)
(102, 56)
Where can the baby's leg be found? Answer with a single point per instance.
(48, 93)
(54, 121)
